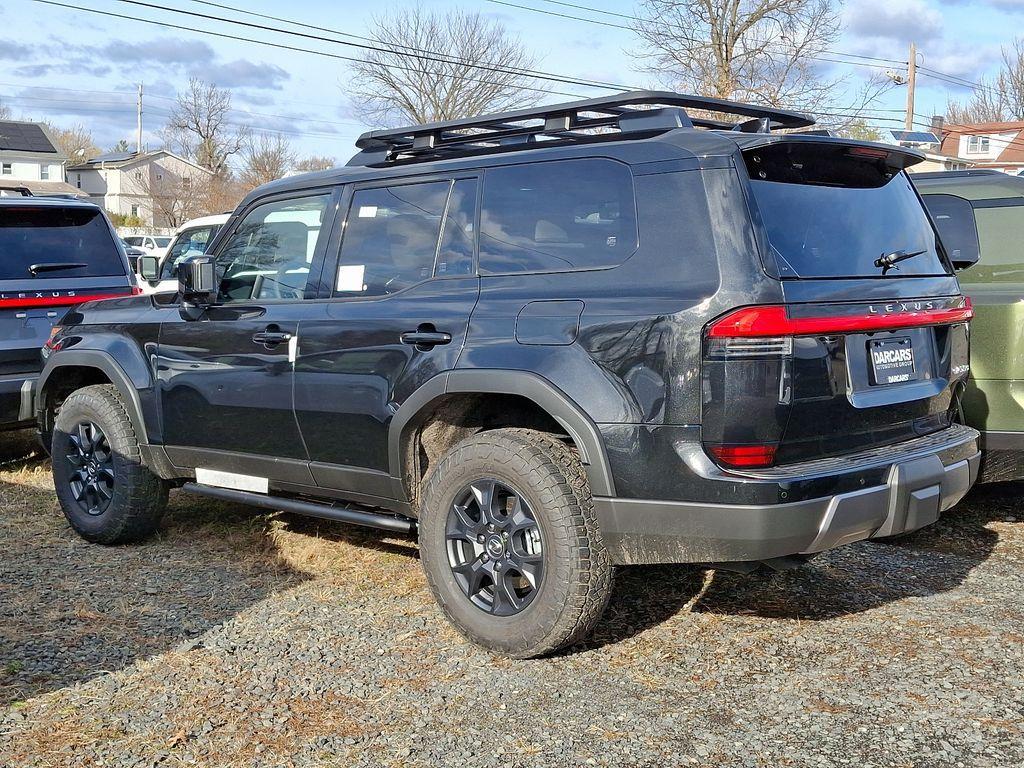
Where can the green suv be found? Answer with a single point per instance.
(981, 213)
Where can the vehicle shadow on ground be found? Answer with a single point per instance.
(70, 610)
(844, 581)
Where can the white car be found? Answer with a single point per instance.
(154, 245)
(192, 239)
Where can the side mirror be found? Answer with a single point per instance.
(149, 268)
(197, 283)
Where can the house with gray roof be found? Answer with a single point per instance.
(30, 159)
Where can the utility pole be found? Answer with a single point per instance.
(138, 135)
(911, 84)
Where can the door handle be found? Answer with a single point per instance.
(426, 339)
(271, 337)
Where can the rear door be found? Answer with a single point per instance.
(396, 307)
(870, 347)
(225, 379)
(51, 257)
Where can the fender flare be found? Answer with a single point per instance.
(102, 361)
(581, 429)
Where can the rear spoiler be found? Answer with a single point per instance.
(897, 158)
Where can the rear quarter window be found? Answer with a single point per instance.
(50, 235)
(557, 216)
(954, 218)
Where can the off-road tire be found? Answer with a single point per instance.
(139, 496)
(577, 580)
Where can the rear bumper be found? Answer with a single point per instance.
(922, 478)
(16, 406)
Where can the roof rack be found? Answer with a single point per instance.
(629, 112)
(22, 190)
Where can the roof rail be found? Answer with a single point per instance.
(629, 112)
(959, 174)
(22, 190)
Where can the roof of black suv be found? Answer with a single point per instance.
(33, 201)
(654, 125)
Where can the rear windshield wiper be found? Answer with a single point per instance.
(55, 266)
(889, 261)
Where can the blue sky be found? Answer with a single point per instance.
(70, 66)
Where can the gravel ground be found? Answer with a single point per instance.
(239, 639)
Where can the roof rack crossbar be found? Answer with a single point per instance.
(630, 111)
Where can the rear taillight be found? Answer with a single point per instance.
(744, 456)
(36, 299)
(776, 320)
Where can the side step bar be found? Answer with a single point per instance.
(325, 511)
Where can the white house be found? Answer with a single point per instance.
(153, 186)
(30, 159)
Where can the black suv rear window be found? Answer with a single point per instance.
(50, 236)
(833, 211)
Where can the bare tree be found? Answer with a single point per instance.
(173, 191)
(472, 65)
(999, 98)
(76, 142)
(749, 50)
(5, 112)
(314, 163)
(265, 157)
(200, 128)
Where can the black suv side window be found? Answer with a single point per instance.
(557, 216)
(391, 238)
(268, 255)
(954, 218)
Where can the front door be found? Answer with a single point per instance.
(225, 379)
(401, 295)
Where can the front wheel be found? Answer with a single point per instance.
(107, 493)
(510, 544)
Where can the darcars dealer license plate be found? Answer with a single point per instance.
(892, 361)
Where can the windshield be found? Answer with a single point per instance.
(190, 242)
(836, 216)
(135, 242)
(31, 236)
(162, 242)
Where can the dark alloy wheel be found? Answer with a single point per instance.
(105, 489)
(495, 547)
(90, 468)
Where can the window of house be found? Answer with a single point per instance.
(135, 210)
(268, 255)
(6, 169)
(557, 216)
(44, 172)
(391, 238)
(186, 182)
(977, 144)
(78, 180)
(138, 175)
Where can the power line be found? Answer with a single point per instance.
(628, 28)
(416, 53)
(281, 46)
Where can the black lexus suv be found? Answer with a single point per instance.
(547, 342)
(54, 253)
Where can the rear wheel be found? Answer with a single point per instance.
(510, 545)
(107, 494)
